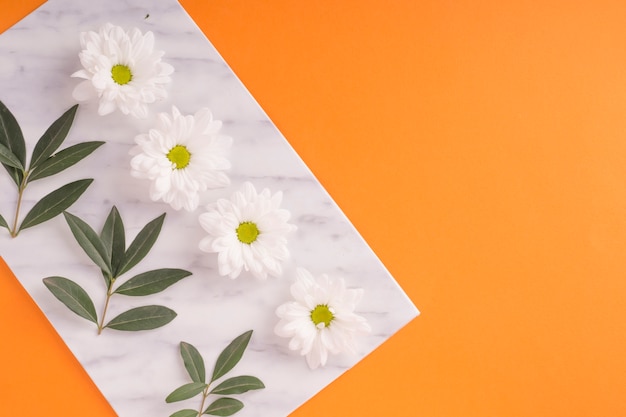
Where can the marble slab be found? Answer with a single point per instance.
(136, 371)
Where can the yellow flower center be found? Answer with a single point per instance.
(121, 74)
(247, 232)
(179, 156)
(322, 314)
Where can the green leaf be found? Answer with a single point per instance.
(63, 159)
(52, 137)
(108, 280)
(11, 136)
(141, 245)
(8, 158)
(193, 362)
(142, 318)
(55, 203)
(114, 239)
(185, 392)
(238, 385)
(89, 240)
(152, 282)
(73, 296)
(185, 413)
(3, 223)
(231, 355)
(224, 407)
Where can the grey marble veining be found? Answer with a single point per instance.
(136, 371)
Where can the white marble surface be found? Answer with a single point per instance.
(136, 371)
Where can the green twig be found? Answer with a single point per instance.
(104, 311)
(20, 194)
(205, 394)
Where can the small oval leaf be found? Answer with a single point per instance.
(152, 282)
(89, 241)
(193, 362)
(185, 413)
(108, 280)
(185, 392)
(11, 136)
(16, 174)
(141, 245)
(55, 203)
(238, 385)
(231, 355)
(8, 158)
(53, 137)
(114, 239)
(63, 159)
(3, 223)
(224, 407)
(142, 318)
(73, 296)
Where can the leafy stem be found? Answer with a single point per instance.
(44, 162)
(226, 361)
(108, 251)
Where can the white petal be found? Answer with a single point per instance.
(84, 91)
(106, 107)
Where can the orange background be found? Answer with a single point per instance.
(480, 149)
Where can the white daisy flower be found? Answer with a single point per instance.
(322, 318)
(247, 232)
(122, 70)
(182, 156)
